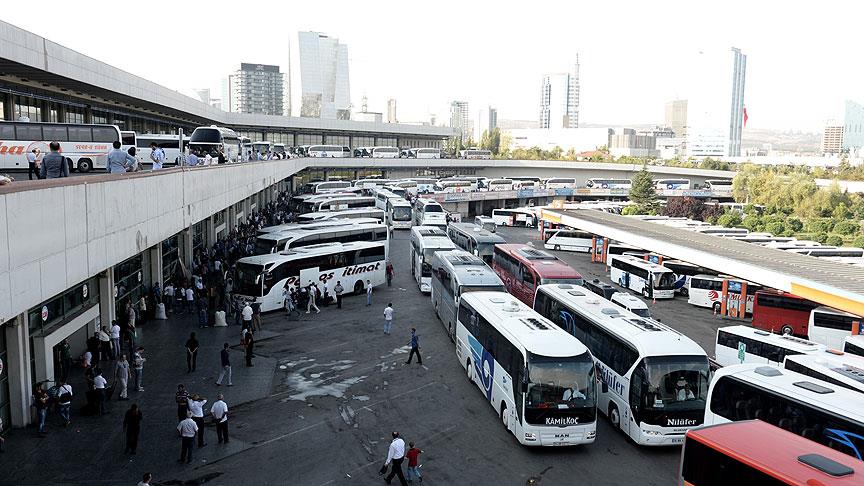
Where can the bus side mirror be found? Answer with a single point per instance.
(604, 387)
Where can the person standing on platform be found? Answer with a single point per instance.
(32, 168)
(119, 161)
(247, 316)
(191, 353)
(388, 318)
(122, 375)
(138, 360)
(225, 359)
(132, 427)
(99, 385)
(256, 316)
(249, 343)
(182, 399)
(389, 274)
(196, 408)
(157, 155)
(66, 359)
(187, 429)
(115, 339)
(219, 411)
(368, 293)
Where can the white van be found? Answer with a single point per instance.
(485, 222)
(631, 303)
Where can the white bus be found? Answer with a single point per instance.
(341, 203)
(707, 291)
(758, 346)
(454, 273)
(654, 379)
(410, 187)
(831, 252)
(722, 231)
(515, 217)
(327, 151)
(837, 368)
(305, 236)
(324, 187)
(262, 147)
(561, 183)
(170, 144)
(381, 197)
(85, 147)
(854, 345)
(320, 223)
(280, 151)
(828, 414)
(425, 241)
(719, 187)
(398, 214)
(385, 153)
(428, 212)
(399, 191)
(424, 185)
(539, 380)
(427, 153)
(569, 240)
(371, 183)
(211, 139)
(683, 272)
(495, 185)
(671, 184)
(359, 215)
(474, 240)
(261, 278)
(830, 326)
(526, 182)
(304, 203)
(475, 154)
(451, 185)
(653, 281)
(608, 183)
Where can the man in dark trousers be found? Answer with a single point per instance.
(191, 353)
(395, 455)
(338, 289)
(132, 427)
(249, 343)
(415, 347)
(54, 164)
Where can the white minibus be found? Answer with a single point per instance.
(569, 240)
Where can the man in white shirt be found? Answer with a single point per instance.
(157, 155)
(99, 384)
(187, 429)
(190, 301)
(88, 358)
(219, 411)
(388, 318)
(247, 316)
(169, 296)
(64, 400)
(196, 408)
(115, 340)
(395, 454)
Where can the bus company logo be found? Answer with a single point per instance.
(611, 379)
(670, 422)
(560, 421)
(7, 149)
(713, 295)
(356, 269)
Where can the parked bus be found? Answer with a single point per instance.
(454, 273)
(262, 148)
(427, 153)
(451, 185)
(831, 252)
(475, 154)
(719, 187)
(514, 217)
(561, 183)
(410, 187)
(425, 242)
(323, 187)
(342, 233)
(539, 380)
(721, 231)
(654, 379)
(569, 240)
(526, 182)
(325, 223)
(305, 202)
(385, 153)
(371, 183)
(427, 212)
(381, 197)
(486, 223)
(85, 147)
(398, 214)
(399, 191)
(279, 150)
(360, 215)
(608, 183)
(828, 414)
(830, 326)
(707, 291)
(211, 139)
(261, 278)
(245, 148)
(782, 312)
(424, 185)
(495, 185)
(653, 281)
(835, 367)
(755, 453)
(170, 144)
(474, 240)
(672, 184)
(340, 204)
(854, 345)
(683, 271)
(328, 151)
(744, 344)
(523, 269)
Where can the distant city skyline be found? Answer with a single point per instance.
(623, 81)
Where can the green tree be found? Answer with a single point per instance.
(752, 222)
(821, 237)
(858, 242)
(794, 224)
(820, 225)
(729, 219)
(846, 227)
(642, 192)
(841, 212)
(495, 141)
(775, 227)
(834, 240)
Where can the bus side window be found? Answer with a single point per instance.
(527, 275)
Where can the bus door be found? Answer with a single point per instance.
(309, 275)
(734, 302)
(525, 284)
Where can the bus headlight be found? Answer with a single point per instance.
(592, 434)
(530, 436)
(651, 432)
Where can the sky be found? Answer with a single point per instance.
(802, 57)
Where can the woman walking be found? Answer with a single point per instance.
(132, 427)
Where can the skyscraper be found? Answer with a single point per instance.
(324, 82)
(676, 117)
(487, 120)
(391, 111)
(736, 112)
(853, 127)
(559, 99)
(257, 88)
(832, 138)
(460, 120)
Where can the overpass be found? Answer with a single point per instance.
(829, 283)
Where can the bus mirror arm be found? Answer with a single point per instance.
(525, 380)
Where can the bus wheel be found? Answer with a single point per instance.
(557, 247)
(504, 416)
(84, 165)
(470, 375)
(684, 291)
(358, 288)
(786, 330)
(614, 416)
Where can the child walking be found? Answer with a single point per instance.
(413, 456)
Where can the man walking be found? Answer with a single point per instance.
(225, 359)
(138, 360)
(132, 427)
(157, 155)
(182, 399)
(368, 293)
(40, 401)
(389, 272)
(249, 343)
(99, 385)
(219, 411)
(415, 347)
(196, 408)
(54, 164)
(64, 400)
(104, 345)
(187, 429)
(338, 289)
(115, 339)
(32, 168)
(256, 315)
(119, 161)
(388, 318)
(395, 455)
(191, 353)
(313, 290)
(66, 358)
(122, 375)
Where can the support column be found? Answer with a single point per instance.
(88, 116)
(8, 107)
(107, 307)
(156, 265)
(210, 229)
(61, 113)
(186, 255)
(18, 369)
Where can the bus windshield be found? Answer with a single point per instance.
(433, 208)
(571, 281)
(401, 214)
(664, 281)
(673, 388)
(206, 135)
(560, 390)
(248, 279)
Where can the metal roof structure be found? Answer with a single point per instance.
(834, 284)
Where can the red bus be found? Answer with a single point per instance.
(753, 452)
(523, 268)
(782, 312)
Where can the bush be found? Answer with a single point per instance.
(775, 227)
(820, 225)
(630, 210)
(821, 237)
(834, 240)
(858, 242)
(794, 224)
(751, 222)
(729, 219)
(789, 232)
(846, 227)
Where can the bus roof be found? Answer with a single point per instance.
(424, 231)
(398, 201)
(649, 337)
(784, 341)
(468, 269)
(319, 224)
(304, 251)
(746, 442)
(537, 334)
(303, 230)
(425, 201)
(653, 267)
(546, 264)
(478, 233)
(846, 367)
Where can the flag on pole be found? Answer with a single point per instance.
(745, 117)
